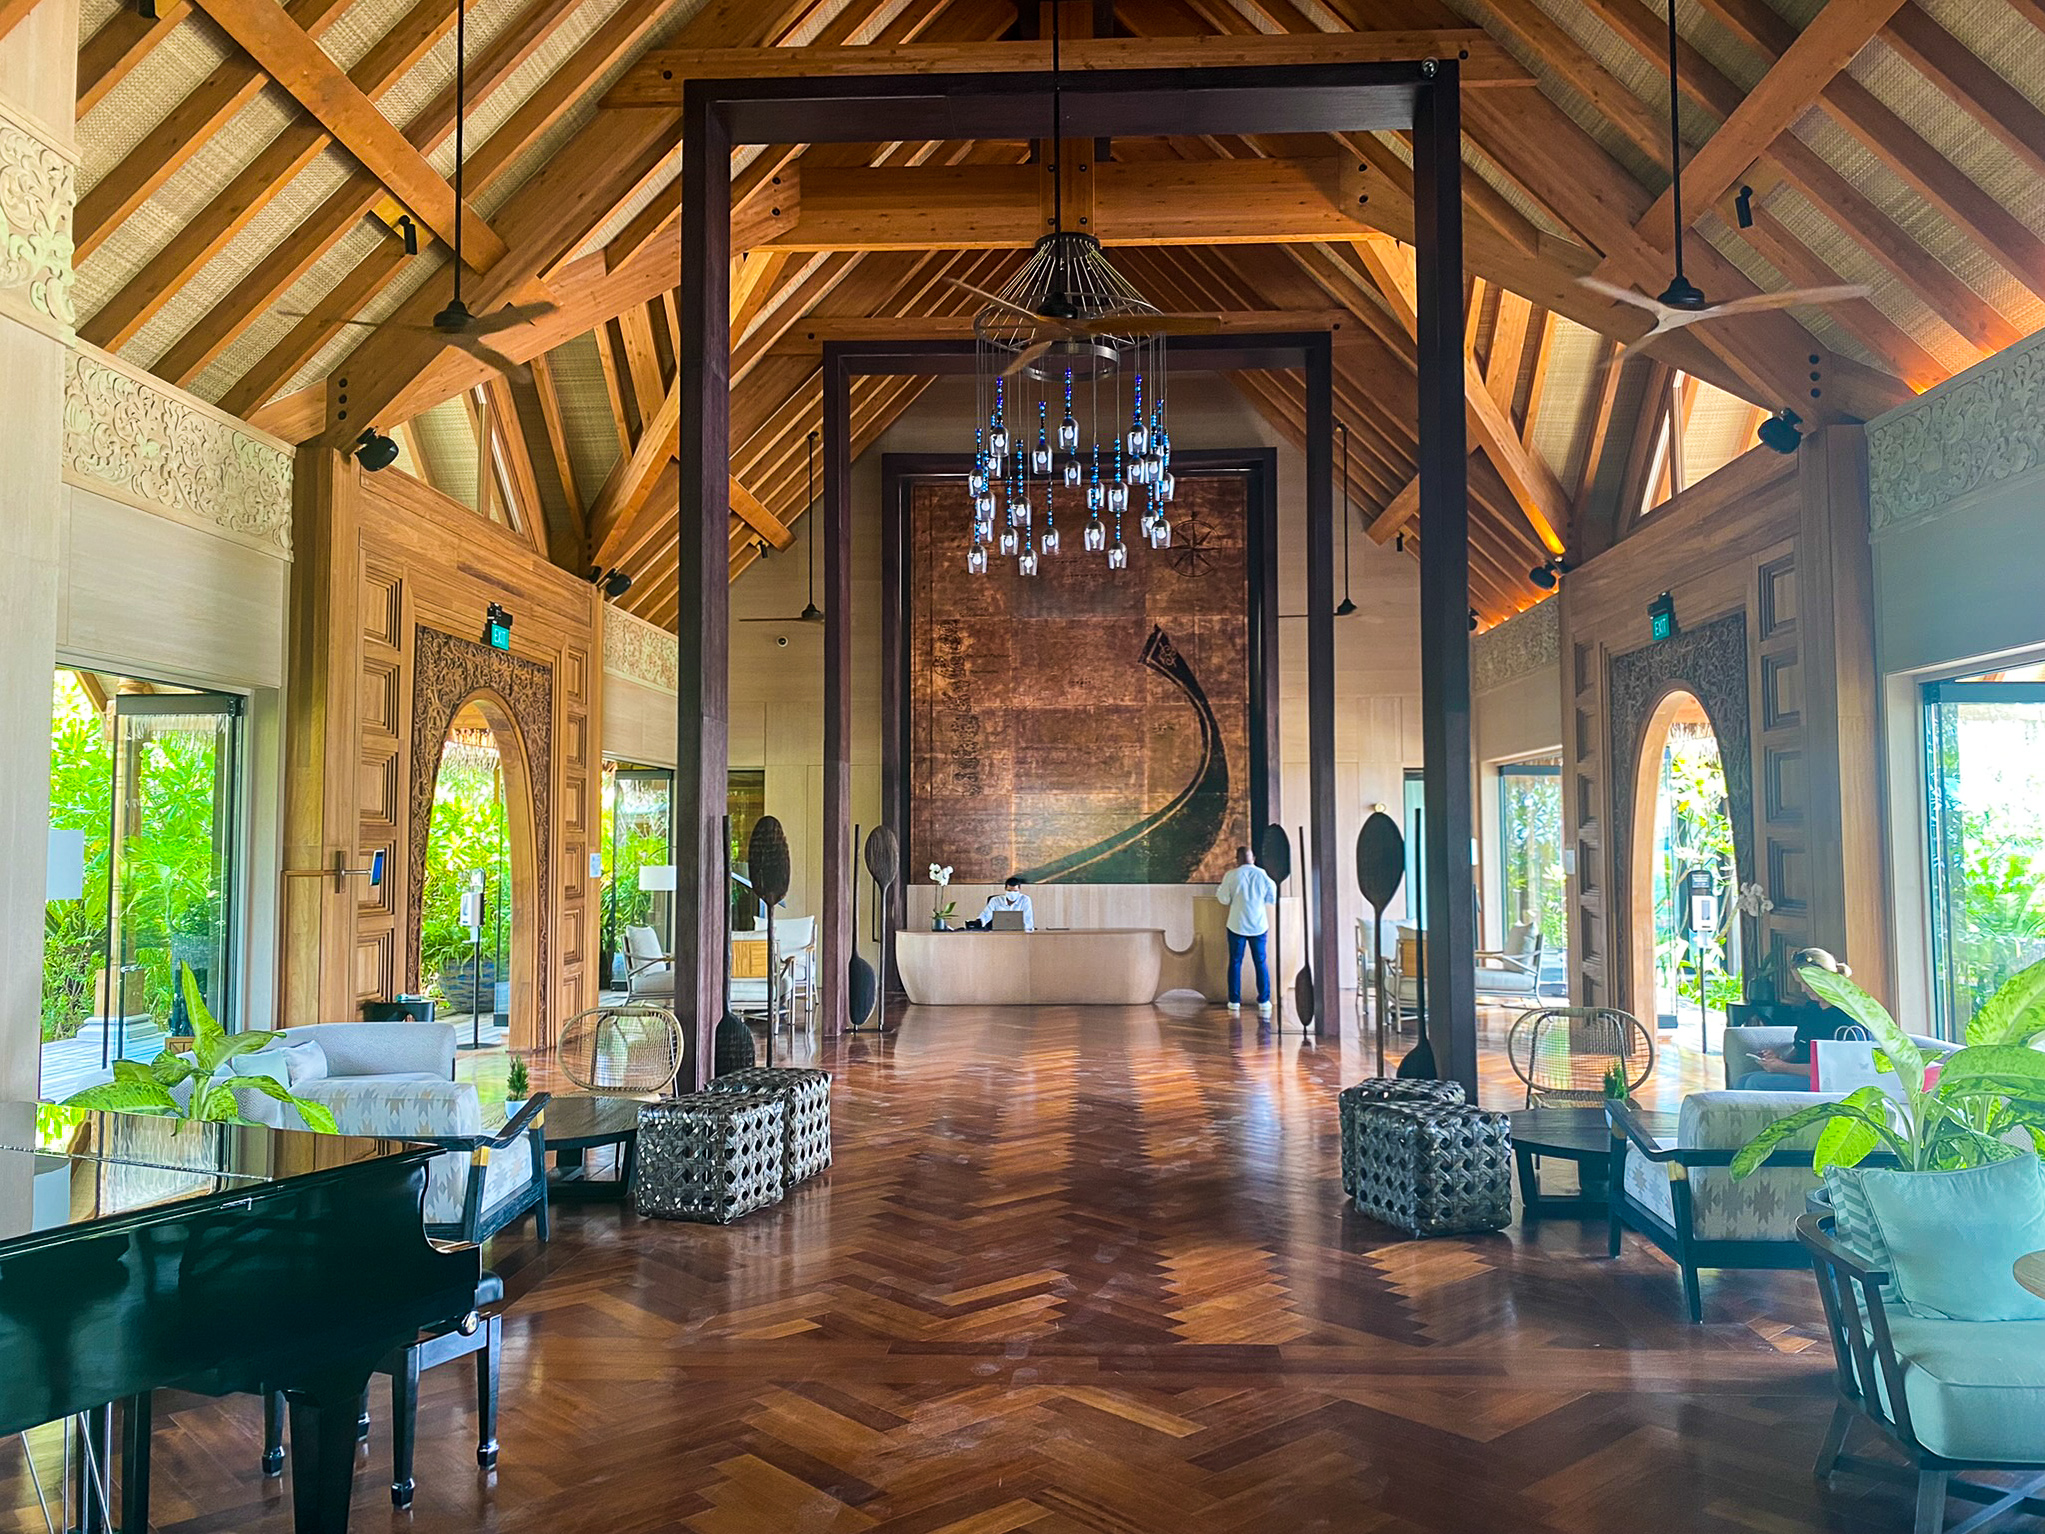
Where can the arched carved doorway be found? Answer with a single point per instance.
(514, 698)
(1699, 674)
(1684, 877)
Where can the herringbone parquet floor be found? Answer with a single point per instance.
(1089, 1273)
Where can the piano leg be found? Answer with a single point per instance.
(404, 1424)
(489, 1359)
(323, 1417)
(90, 1473)
(273, 1432)
(136, 1420)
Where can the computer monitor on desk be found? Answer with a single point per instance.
(1005, 921)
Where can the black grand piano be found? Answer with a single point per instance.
(136, 1254)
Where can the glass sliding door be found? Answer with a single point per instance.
(1531, 887)
(144, 869)
(638, 835)
(1985, 775)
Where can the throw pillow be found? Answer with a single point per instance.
(1954, 1237)
(306, 1062)
(1853, 1222)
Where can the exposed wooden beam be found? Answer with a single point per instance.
(510, 432)
(287, 52)
(656, 80)
(749, 509)
(183, 133)
(119, 45)
(198, 239)
(1789, 89)
(2003, 112)
(632, 478)
(257, 293)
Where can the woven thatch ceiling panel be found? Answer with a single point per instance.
(152, 90)
(1924, 223)
(1720, 428)
(428, 266)
(1762, 274)
(1573, 360)
(1996, 34)
(586, 419)
(447, 441)
(194, 185)
(1627, 66)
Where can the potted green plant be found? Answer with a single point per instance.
(1950, 1119)
(152, 1088)
(517, 1086)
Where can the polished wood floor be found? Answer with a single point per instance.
(1090, 1273)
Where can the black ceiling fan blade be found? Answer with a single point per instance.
(507, 318)
(489, 356)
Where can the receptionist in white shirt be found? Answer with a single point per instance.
(1011, 898)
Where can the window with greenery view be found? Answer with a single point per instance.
(1694, 830)
(1530, 848)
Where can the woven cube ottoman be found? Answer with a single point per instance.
(1434, 1169)
(808, 1096)
(711, 1157)
(1378, 1089)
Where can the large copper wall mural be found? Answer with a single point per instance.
(1088, 725)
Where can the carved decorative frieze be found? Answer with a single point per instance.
(640, 651)
(1978, 434)
(156, 448)
(38, 191)
(1520, 646)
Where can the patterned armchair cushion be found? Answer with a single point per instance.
(1764, 1207)
(401, 1110)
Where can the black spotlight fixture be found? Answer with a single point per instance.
(616, 583)
(1549, 576)
(373, 450)
(1473, 620)
(1780, 432)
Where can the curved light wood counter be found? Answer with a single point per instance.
(1078, 967)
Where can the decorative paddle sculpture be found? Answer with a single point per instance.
(884, 863)
(732, 1048)
(1380, 869)
(859, 982)
(1419, 1063)
(1303, 982)
(768, 862)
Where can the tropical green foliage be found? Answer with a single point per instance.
(469, 830)
(1995, 1085)
(1698, 830)
(1536, 889)
(2002, 901)
(148, 1089)
(172, 868)
(518, 1084)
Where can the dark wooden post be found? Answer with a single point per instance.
(1445, 578)
(702, 622)
(840, 857)
(1324, 930)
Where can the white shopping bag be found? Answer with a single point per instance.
(1846, 1065)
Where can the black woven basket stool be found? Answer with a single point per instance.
(1434, 1169)
(1380, 1089)
(808, 1096)
(713, 1157)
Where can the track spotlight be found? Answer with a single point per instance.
(1473, 620)
(1780, 432)
(1549, 576)
(616, 583)
(374, 451)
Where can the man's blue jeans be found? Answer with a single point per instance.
(1237, 943)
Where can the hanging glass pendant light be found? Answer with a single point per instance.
(1068, 330)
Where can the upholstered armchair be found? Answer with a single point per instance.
(1743, 1047)
(649, 968)
(1515, 969)
(1682, 1197)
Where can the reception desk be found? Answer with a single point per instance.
(1078, 967)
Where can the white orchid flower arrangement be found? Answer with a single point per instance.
(940, 875)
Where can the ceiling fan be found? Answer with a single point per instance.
(811, 613)
(455, 323)
(1682, 302)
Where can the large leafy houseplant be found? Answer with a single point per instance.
(1983, 1092)
(148, 1089)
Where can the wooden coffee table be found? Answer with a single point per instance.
(1581, 1135)
(2030, 1272)
(579, 1122)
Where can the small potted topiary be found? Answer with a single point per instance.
(518, 1087)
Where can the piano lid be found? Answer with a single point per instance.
(252, 1151)
(41, 1193)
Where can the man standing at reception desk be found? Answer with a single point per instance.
(1011, 898)
(1249, 894)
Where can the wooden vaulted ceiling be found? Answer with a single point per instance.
(253, 174)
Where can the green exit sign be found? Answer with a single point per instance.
(1661, 617)
(499, 636)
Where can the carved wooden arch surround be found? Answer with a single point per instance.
(446, 673)
(1709, 662)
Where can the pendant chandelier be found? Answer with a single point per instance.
(1070, 374)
